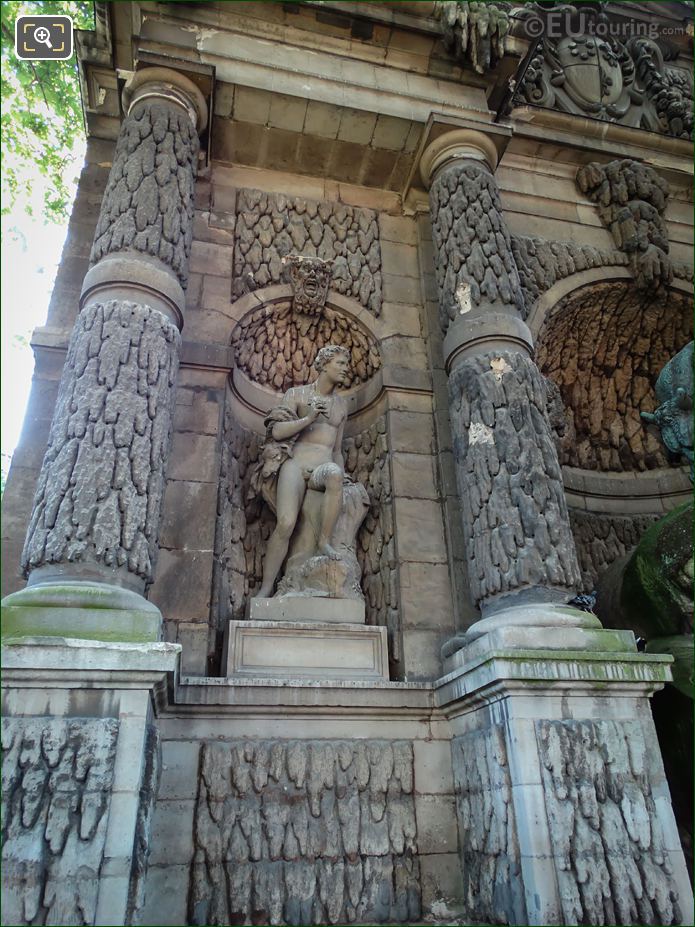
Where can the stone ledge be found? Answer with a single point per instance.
(71, 662)
(549, 672)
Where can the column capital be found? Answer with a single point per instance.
(168, 85)
(458, 145)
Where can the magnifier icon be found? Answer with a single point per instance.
(42, 35)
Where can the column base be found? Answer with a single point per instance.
(80, 609)
(565, 815)
(541, 624)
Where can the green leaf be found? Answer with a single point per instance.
(42, 122)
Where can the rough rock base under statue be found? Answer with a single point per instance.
(302, 650)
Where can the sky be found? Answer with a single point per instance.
(29, 259)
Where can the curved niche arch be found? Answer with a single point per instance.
(603, 345)
(275, 347)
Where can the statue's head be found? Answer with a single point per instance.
(337, 358)
(310, 278)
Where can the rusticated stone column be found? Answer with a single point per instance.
(534, 687)
(516, 527)
(92, 541)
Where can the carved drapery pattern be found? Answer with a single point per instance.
(56, 783)
(602, 539)
(270, 226)
(244, 525)
(515, 519)
(148, 203)
(490, 858)
(631, 198)
(100, 488)
(473, 255)
(278, 349)
(305, 832)
(604, 346)
(604, 826)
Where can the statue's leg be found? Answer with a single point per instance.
(290, 494)
(331, 479)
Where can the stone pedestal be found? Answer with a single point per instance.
(564, 812)
(308, 650)
(307, 609)
(80, 773)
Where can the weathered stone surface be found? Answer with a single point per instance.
(605, 77)
(56, 782)
(513, 505)
(314, 648)
(148, 204)
(308, 573)
(631, 200)
(305, 832)
(142, 845)
(475, 32)
(668, 89)
(604, 826)
(604, 346)
(490, 858)
(278, 348)
(542, 263)
(244, 526)
(601, 539)
(101, 484)
(270, 226)
(473, 253)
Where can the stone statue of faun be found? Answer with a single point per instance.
(301, 476)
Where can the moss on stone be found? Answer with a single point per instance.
(657, 584)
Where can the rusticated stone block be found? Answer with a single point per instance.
(603, 346)
(148, 205)
(101, 484)
(473, 252)
(604, 824)
(305, 832)
(514, 512)
(57, 777)
(270, 226)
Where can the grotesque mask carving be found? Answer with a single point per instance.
(310, 278)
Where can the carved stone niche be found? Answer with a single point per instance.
(275, 346)
(603, 345)
(275, 342)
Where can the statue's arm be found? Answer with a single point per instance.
(281, 431)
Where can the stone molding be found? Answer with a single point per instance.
(485, 331)
(457, 145)
(169, 85)
(138, 278)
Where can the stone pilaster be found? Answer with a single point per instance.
(516, 527)
(92, 541)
